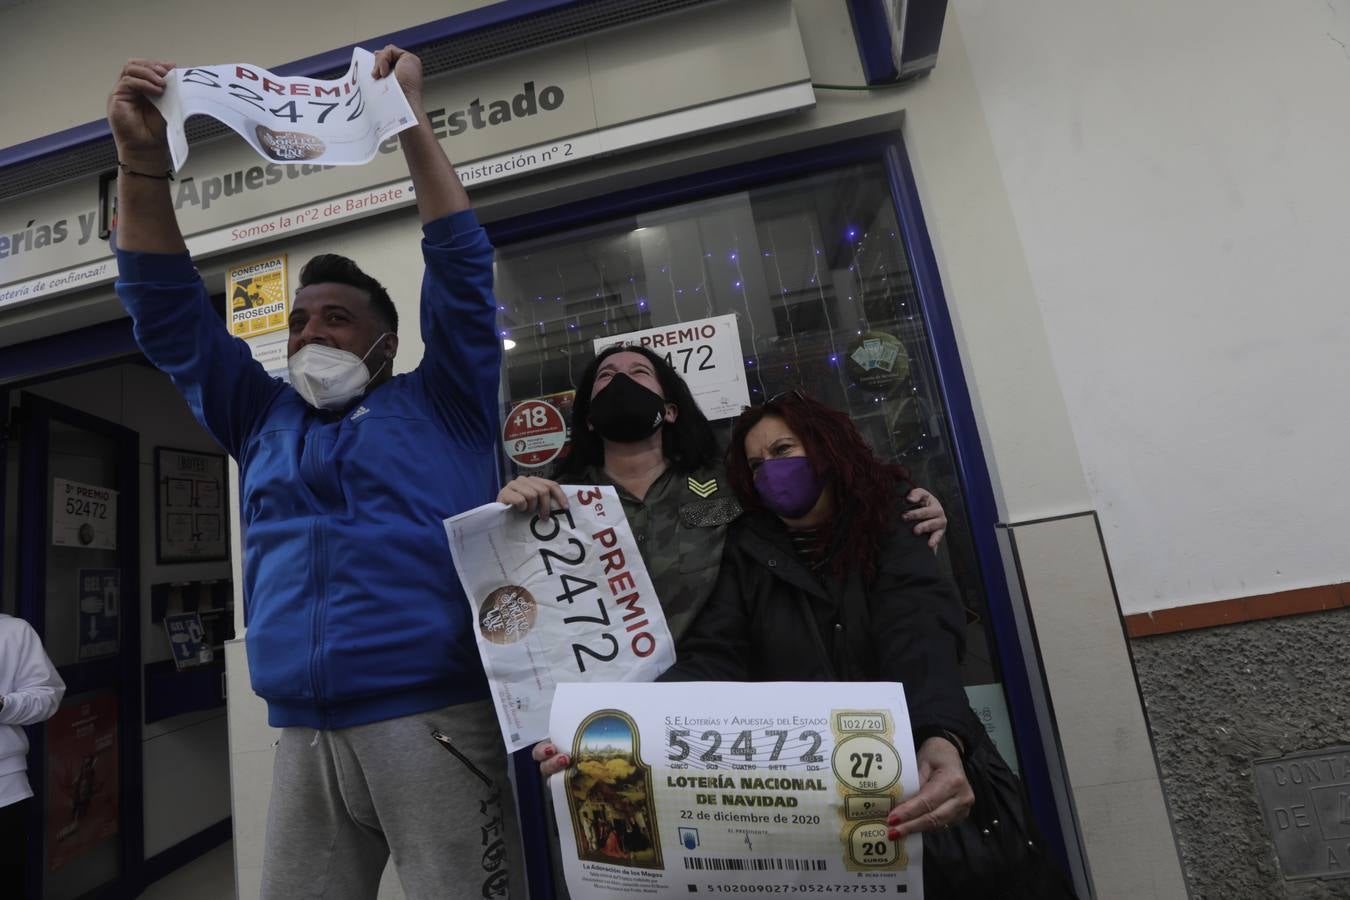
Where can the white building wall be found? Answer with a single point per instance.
(1177, 176)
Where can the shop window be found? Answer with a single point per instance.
(818, 279)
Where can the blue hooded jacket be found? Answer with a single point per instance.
(354, 611)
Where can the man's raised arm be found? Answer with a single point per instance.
(145, 214)
(462, 359)
(157, 282)
(435, 183)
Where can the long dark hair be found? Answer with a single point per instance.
(688, 443)
(868, 487)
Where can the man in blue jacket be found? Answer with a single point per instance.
(358, 631)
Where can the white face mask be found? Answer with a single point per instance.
(329, 378)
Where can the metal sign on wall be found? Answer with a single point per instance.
(1305, 798)
(702, 70)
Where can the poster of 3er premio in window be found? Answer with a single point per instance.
(706, 353)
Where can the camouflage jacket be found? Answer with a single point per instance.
(680, 527)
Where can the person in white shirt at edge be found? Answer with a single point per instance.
(30, 692)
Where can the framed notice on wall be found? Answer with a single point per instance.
(190, 520)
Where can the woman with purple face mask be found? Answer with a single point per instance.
(822, 582)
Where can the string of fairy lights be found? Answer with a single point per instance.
(623, 305)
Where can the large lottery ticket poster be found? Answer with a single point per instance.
(289, 119)
(557, 598)
(715, 788)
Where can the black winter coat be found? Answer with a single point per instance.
(771, 618)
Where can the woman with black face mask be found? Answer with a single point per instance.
(635, 426)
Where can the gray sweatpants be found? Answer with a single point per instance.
(344, 801)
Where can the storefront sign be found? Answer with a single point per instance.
(706, 353)
(82, 778)
(500, 120)
(556, 599)
(534, 434)
(1305, 798)
(712, 788)
(259, 308)
(339, 122)
(191, 509)
(100, 592)
(83, 515)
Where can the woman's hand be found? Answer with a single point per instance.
(944, 796)
(551, 762)
(533, 495)
(929, 514)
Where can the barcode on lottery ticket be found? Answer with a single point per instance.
(762, 864)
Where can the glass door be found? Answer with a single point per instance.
(78, 585)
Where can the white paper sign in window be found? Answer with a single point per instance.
(83, 515)
(706, 353)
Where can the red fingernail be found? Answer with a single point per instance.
(564, 760)
(893, 835)
(893, 820)
(549, 751)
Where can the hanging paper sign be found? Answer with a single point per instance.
(285, 119)
(100, 592)
(83, 515)
(714, 787)
(534, 434)
(706, 353)
(556, 599)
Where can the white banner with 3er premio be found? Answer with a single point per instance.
(715, 788)
(558, 598)
(289, 119)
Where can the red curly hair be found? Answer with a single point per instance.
(872, 487)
